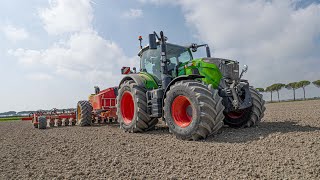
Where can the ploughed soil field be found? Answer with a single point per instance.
(286, 145)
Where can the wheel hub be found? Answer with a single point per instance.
(182, 110)
(127, 107)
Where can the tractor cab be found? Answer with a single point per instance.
(150, 60)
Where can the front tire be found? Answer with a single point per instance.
(132, 108)
(193, 110)
(248, 117)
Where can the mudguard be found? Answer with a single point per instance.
(135, 77)
(180, 78)
(142, 79)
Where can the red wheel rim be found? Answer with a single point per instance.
(127, 107)
(181, 110)
(235, 115)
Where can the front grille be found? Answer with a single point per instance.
(228, 68)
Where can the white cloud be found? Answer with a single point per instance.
(14, 33)
(39, 76)
(67, 16)
(278, 41)
(133, 13)
(85, 55)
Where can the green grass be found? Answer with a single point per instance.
(13, 118)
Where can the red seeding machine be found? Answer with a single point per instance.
(100, 108)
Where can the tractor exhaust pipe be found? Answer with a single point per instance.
(165, 78)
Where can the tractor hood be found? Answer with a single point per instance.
(229, 68)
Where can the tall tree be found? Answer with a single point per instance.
(269, 89)
(277, 87)
(316, 83)
(303, 84)
(260, 89)
(292, 86)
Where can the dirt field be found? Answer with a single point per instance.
(285, 146)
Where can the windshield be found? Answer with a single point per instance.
(151, 59)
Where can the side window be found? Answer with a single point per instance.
(184, 57)
(173, 60)
(173, 66)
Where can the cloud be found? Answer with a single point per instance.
(67, 16)
(85, 55)
(133, 13)
(39, 76)
(279, 40)
(14, 33)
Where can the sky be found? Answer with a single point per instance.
(52, 53)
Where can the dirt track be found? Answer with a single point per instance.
(285, 146)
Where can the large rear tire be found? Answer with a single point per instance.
(132, 108)
(250, 116)
(84, 113)
(193, 110)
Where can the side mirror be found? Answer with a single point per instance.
(208, 51)
(245, 68)
(152, 41)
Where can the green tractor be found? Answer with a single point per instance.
(194, 97)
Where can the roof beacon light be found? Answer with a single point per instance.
(140, 39)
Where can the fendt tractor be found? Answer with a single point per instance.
(194, 97)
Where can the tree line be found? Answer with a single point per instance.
(290, 86)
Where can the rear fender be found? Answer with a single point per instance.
(181, 78)
(142, 79)
(135, 77)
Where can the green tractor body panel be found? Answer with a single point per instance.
(211, 72)
(149, 80)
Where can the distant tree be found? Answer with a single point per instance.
(303, 84)
(293, 86)
(277, 87)
(9, 113)
(269, 89)
(260, 89)
(316, 83)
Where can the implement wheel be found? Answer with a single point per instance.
(132, 108)
(84, 113)
(250, 116)
(42, 122)
(73, 121)
(193, 110)
(66, 122)
(59, 122)
(51, 122)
